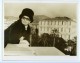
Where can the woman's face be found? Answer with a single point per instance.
(25, 20)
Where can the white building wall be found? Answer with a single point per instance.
(67, 29)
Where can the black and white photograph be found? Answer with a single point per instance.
(40, 29)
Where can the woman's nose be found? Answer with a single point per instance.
(27, 22)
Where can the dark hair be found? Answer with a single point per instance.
(27, 12)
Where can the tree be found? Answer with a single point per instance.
(72, 44)
(44, 40)
(55, 35)
(61, 45)
(58, 42)
(34, 37)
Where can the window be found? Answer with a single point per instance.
(48, 22)
(44, 28)
(62, 22)
(58, 22)
(58, 29)
(61, 29)
(47, 28)
(69, 30)
(69, 36)
(41, 28)
(61, 35)
(70, 22)
(51, 22)
(41, 22)
(55, 23)
(44, 22)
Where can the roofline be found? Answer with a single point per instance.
(59, 19)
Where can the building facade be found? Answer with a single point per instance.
(65, 26)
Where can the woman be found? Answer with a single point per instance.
(19, 28)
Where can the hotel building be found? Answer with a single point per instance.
(65, 26)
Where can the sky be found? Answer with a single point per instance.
(49, 9)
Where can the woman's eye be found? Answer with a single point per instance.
(26, 18)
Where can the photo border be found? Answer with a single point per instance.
(41, 58)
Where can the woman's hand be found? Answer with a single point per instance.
(23, 42)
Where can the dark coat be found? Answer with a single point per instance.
(14, 32)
